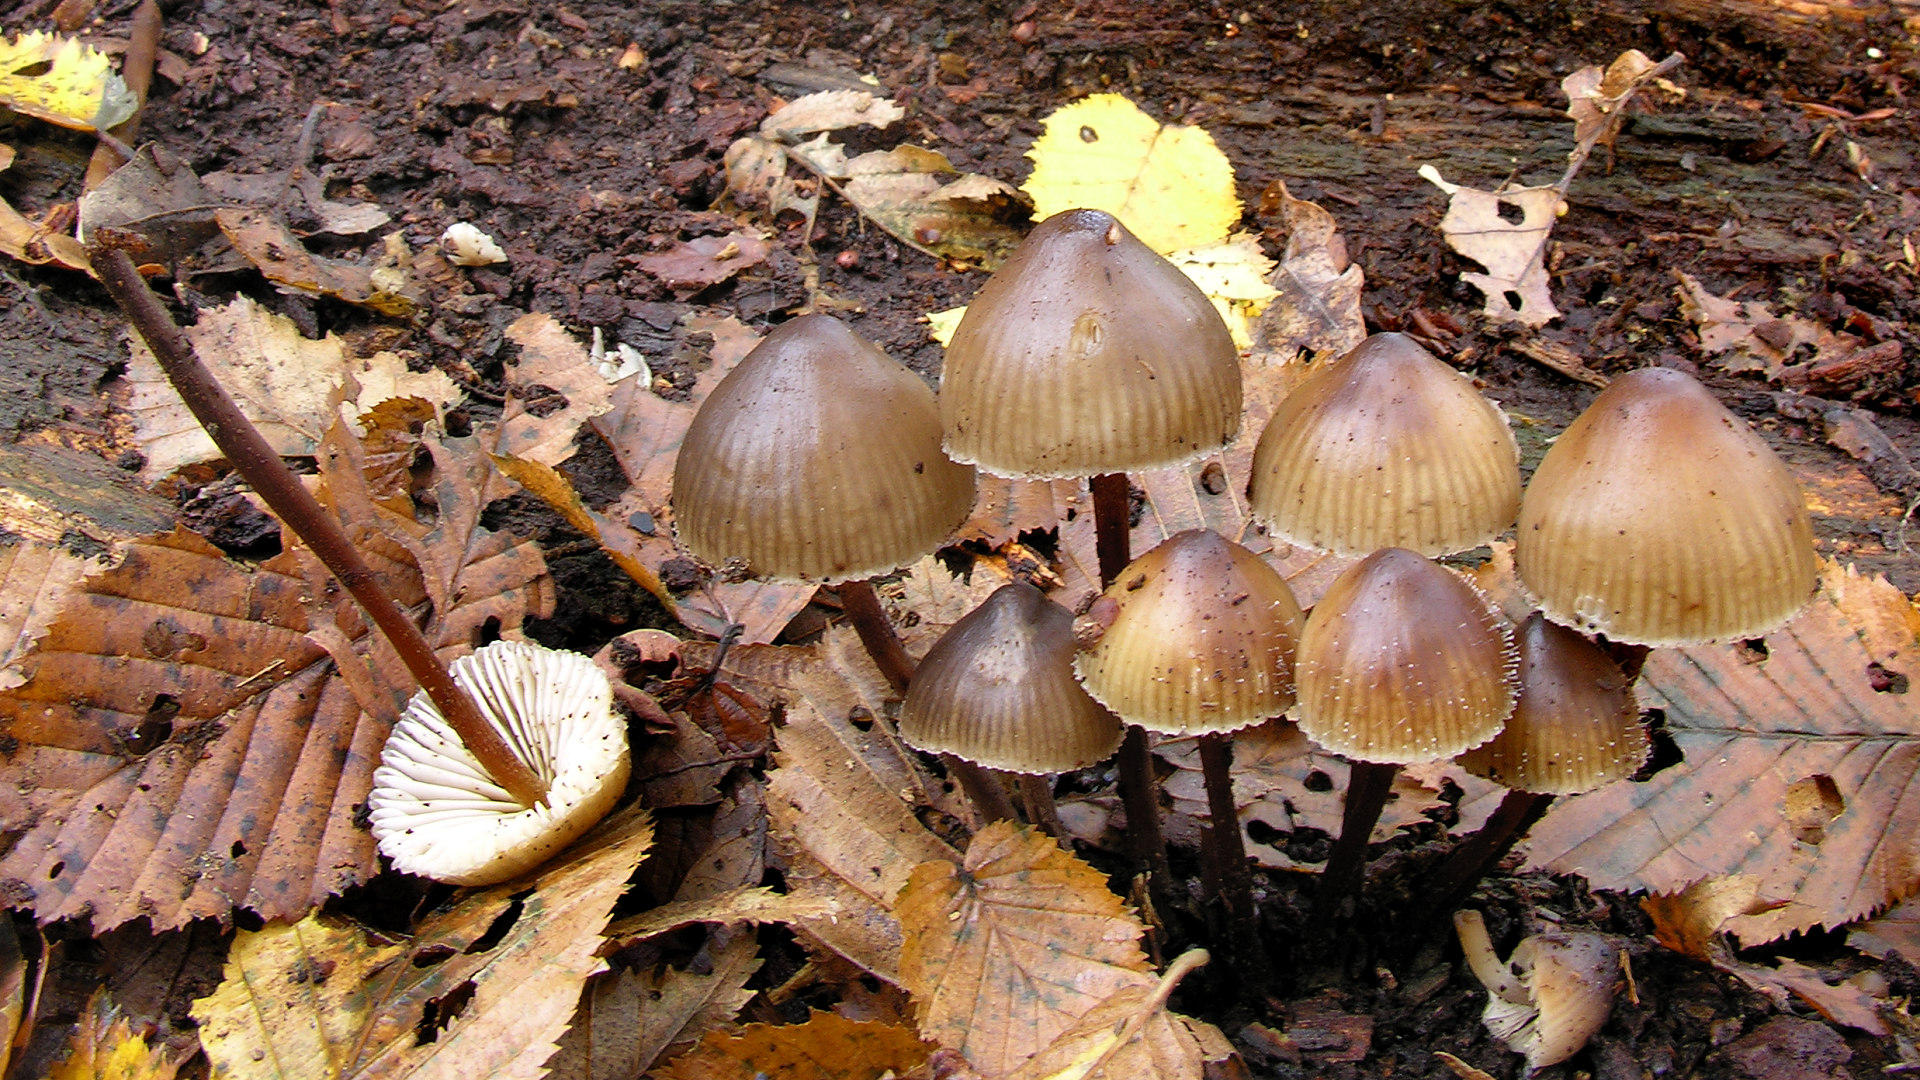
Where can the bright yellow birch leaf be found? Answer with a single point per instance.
(1234, 274)
(79, 88)
(1170, 185)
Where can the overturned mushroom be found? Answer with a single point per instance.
(436, 812)
(1551, 996)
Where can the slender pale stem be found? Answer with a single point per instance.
(1367, 788)
(876, 631)
(262, 469)
(1145, 840)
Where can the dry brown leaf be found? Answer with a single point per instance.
(919, 197)
(928, 599)
(841, 804)
(182, 744)
(289, 386)
(1597, 100)
(829, 110)
(36, 244)
(1003, 508)
(1844, 1003)
(628, 1019)
(1690, 920)
(1286, 783)
(1758, 340)
(1318, 309)
(1896, 930)
(552, 390)
(1130, 1035)
(104, 1046)
(644, 430)
(483, 988)
(35, 581)
(826, 1047)
(755, 904)
(265, 240)
(1800, 755)
(1006, 952)
(1514, 255)
(13, 990)
(692, 265)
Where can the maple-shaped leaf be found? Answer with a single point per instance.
(628, 1019)
(194, 735)
(1008, 950)
(105, 1046)
(483, 987)
(826, 1047)
(1802, 754)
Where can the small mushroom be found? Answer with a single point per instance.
(436, 813)
(1551, 996)
(1659, 518)
(1386, 447)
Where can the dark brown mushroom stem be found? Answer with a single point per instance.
(1223, 862)
(1146, 842)
(1367, 787)
(1458, 876)
(870, 621)
(257, 463)
(1037, 792)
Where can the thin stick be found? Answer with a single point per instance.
(1146, 842)
(257, 463)
(1367, 788)
(1037, 793)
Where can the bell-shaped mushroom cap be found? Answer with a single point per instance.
(1575, 726)
(817, 457)
(1200, 641)
(1386, 447)
(998, 690)
(1087, 353)
(1659, 518)
(1551, 996)
(1402, 661)
(435, 811)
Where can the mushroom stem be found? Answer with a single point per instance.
(261, 467)
(876, 632)
(1367, 787)
(1145, 840)
(1036, 790)
(1224, 854)
(1457, 877)
(983, 789)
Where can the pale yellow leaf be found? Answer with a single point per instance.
(1514, 254)
(78, 88)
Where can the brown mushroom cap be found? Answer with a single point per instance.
(1659, 518)
(817, 457)
(1087, 353)
(1201, 640)
(1386, 447)
(1575, 726)
(1402, 661)
(998, 690)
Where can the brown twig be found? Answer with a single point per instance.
(262, 468)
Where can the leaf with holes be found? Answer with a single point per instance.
(1513, 252)
(484, 987)
(1802, 756)
(1008, 950)
(193, 734)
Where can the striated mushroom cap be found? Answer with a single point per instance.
(1087, 353)
(817, 457)
(1201, 639)
(1386, 447)
(998, 690)
(1575, 726)
(435, 812)
(1402, 661)
(1659, 518)
(1551, 996)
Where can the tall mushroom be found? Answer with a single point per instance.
(818, 459)
(1659, 518)
(998, 690)
(1198, 639)
(1401, 662)
(1087, 354)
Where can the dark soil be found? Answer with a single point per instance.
(521, 119)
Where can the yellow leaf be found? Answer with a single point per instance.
(104, 1046)
(827, 1047)
(942, 324)
(1233, 273)
(78, 89)
(1170, 185)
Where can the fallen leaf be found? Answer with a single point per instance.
(1798, 752)
(1597, 98)
(104, 1046)
(1233, 274)
(63, 81)
(184, 742)
(755, 904)
(928, 599)
(35, 580)
(922, 200)
(1171, 186)
(826, 1047)
(1007, 951)
(290, 386)
(1896, 930)
(552, 390)
(829, 110)
(1316, 306)
(1844, 1003)
(1758, 340)
(13, 991)
(1690, 921)
(36, 243)
(483, 987)
(1515, 282)
(692, 265)
(1130, 1034)
(628, 1019)
(265, 240)
(301, 196)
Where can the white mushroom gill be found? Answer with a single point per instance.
(436, 812)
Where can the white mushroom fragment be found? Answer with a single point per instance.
(436, 812)
(1553, 994)
(466, 245)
